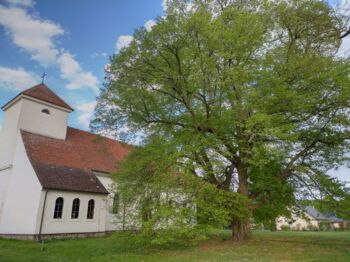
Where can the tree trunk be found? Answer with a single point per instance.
(242, 229)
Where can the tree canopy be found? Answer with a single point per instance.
(249, 97)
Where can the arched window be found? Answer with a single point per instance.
(75, 208)
(115, 209)
(90, 210)
(45, 111)
(57, 214)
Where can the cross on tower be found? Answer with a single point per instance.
(43, 77)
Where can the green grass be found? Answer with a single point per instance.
(265, 246)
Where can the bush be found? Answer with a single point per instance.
(342, 226)
(170, 237)
(269, 225)
(297, 227)
(285, 228)
(347, 226)
(311, 227)
(325, 226)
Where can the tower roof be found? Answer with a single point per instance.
(44, 93)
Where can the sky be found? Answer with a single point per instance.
(71, 42)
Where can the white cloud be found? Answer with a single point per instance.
(86, 112)
(149, 24)
(165, 5)
(20, 2)
(72, 71)
(123, 41)
(16, 79)
(36, 36)
(31, 33)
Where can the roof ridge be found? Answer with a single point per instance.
(104, 137)
(83, 131)
(44, 93)
(65, 166)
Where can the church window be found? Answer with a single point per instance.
(75, 208)
(58, 208)
(90, 210)
(45, 111)
(115, 209)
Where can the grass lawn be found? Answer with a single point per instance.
(265, 246)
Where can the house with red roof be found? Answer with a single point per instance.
(54, 179)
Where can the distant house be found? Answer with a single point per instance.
(54, 179)
(308, 218)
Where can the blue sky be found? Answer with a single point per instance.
(71, 41)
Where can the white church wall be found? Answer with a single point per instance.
(8, 134)
(111, 219)
(26, 114)
(33, 120)
(125, 218)
(23, 195)
(4, 180)
(69, 225)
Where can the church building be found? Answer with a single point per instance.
(54, 179)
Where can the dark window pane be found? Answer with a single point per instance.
(45, 111)
(115, 209)
(75, 208)
(91, 207)
(57, 214)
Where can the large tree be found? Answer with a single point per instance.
(248, 96)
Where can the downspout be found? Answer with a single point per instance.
(42, 215)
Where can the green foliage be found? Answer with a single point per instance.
(325, 226)
(171, 205)
(285, 228)
(275, 194)
(336, 198)
(218, 207)
(270, 225)
(170, 236)
(311, 227)
(248, 97)
(347, 226)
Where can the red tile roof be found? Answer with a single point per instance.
(42, 92)
(79, 151)
(66, 178)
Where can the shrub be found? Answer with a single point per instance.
(170, 237)
(347, 226)
(297, 227)
(342, 226)
(270, 225)
(285, 228)
(325, 226)
(311, 227)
